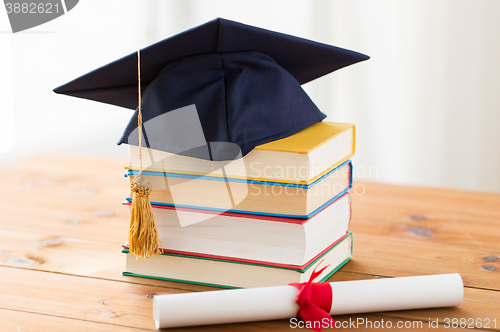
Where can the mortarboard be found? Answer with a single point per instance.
(238, 86)
(244, 82)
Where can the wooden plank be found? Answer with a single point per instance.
(101, 259)
(367, 322)
(85, 196)
(82, 257)
(67, 196)
(478, 204)
(427, 215)
(373, 255)
(63, 214)
(394, 257)
(125, 304)
(80, 187)
(107, 222)
(88, 299)
(25, 321)
(478, 304)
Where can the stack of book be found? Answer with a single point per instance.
(266, 219)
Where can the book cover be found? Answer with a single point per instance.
(267, 162)
(220, 272)
(249, 196)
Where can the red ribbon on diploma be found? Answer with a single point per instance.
(314, 300)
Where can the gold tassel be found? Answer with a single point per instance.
(143, 236)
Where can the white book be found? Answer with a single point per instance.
(222, 272)
(277, 240)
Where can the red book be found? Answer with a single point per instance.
(277, 241)
(236, 273)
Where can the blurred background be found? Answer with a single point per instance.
(426, 105)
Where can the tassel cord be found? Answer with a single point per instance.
(143, 234)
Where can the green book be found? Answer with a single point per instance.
(229, 273)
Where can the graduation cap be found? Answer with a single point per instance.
(244, 82)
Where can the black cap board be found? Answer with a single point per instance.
(243, 81)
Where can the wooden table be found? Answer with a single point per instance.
(62, 226)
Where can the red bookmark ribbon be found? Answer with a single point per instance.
(314, 300)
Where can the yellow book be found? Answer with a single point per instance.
(300, 158)
(309, 139)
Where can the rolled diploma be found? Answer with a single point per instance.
(349, 297)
